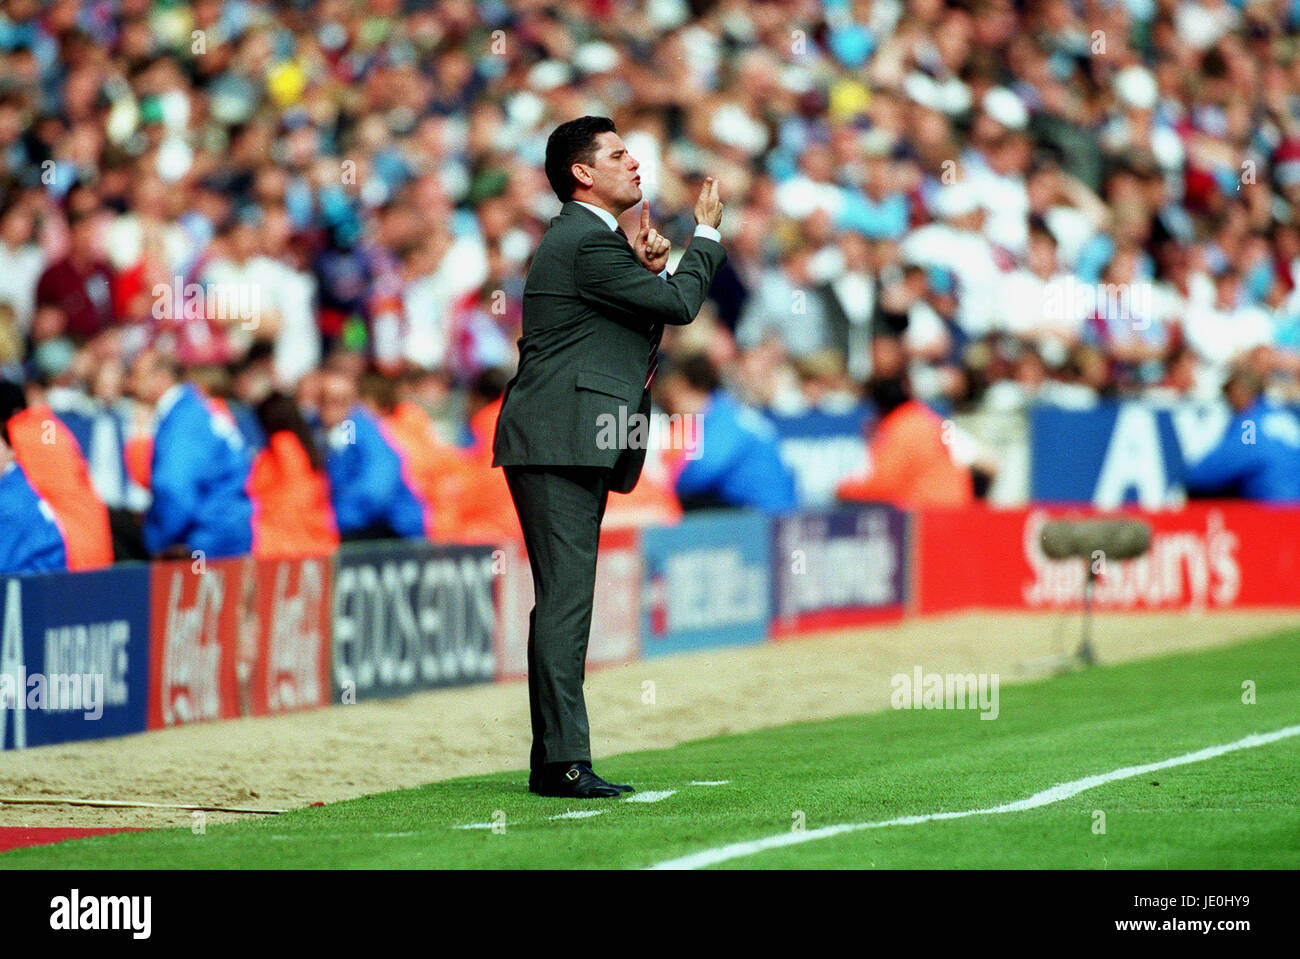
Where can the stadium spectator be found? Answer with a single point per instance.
(434, 470)
(198, 470)
(74, 296)
(371, 498)
(51, 460)
(956, 244)
(486, 511)
(21, 263)
(292, 515)
(1040, 302)
(30, 540)
(911, 461)
(1258, 457)
(726, 453)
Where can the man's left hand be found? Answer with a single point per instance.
(651, 246)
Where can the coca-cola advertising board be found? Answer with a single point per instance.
(238, 637)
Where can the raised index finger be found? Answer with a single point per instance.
(645, 216)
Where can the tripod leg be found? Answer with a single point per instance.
(1085, 648)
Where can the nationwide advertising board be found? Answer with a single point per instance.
(410, 616)
(840, 567)
(74, 655)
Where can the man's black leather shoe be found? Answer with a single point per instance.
(574, 781)
(535, 781)
(621, 787)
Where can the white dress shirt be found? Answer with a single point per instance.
(701, 229)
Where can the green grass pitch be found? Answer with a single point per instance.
(1236, 811)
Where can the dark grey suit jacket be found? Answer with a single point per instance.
(591, 315)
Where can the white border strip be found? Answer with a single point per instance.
(736, 850)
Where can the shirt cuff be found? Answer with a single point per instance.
(708, 232)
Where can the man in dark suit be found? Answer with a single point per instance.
(574, 421)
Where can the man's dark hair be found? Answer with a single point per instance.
(380, 390)
(1038, 228)
(888, 393)
(168, 363)
(79, 215)
(261, 351)
(489, 385)
(13, 400)
(698, 371)
(570, 143)
(280, 414)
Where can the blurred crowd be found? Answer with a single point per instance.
(313, 220)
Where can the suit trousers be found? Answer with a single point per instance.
(560, 511)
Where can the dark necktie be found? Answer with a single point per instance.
(656, 334)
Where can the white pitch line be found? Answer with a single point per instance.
(283, 837)
(710, 782)
(1055, 794)
(475, 825)
(578, 814)
(651, 796)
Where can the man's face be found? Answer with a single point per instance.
(147, 381)
(1240, 396)
(611, 176)
(83, 238)
(337, 397)
(671, 393)
(1042, 256)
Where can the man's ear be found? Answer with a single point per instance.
(582, 175)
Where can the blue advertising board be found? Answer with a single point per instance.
(410, 616)
(707, 582)
(74, 655)
(822, 448)
(1113, 454)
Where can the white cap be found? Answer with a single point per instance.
(1136, 87)
(1007, 108)
(877, 142)
(955, 201)
(548, 75)
(596, 57)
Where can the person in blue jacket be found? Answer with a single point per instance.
(371, 498)
(1258, 457)
(30, 541)
(199, 469)
(731, 454)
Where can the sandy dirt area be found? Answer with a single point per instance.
(337, 753)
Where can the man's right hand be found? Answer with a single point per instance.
(708, 208)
